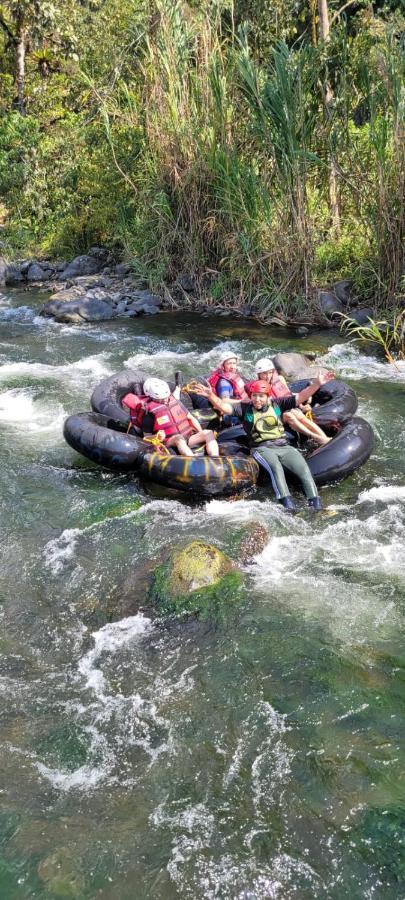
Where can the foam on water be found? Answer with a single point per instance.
(348, 362)
(163, 361)
(109, 639)
(386, 493)
(83, 372)
(21, 410)
(133, 717)
(17, 314)
(311, 571)
(60, 550)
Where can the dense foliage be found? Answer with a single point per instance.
(245, 142)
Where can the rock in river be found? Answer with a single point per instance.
(196, 579)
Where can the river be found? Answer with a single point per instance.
(259, 757)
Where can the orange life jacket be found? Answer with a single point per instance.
(170, 417)
(238, 385)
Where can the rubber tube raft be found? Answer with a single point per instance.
(101, 437)
(332, 404)
(102, 440)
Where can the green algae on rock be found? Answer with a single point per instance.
(196, 579)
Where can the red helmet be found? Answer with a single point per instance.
(259, 387)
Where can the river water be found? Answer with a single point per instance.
(259, 757)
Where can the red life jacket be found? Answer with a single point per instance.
(137, 406)
(170, 417)
(238, 385)
(279, 388)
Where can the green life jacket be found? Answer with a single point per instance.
(263, 424)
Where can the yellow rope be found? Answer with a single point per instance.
(156, 442)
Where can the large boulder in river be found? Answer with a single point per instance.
(14, 274)
(362, 316)
(343, 290)
(329, 303)
(93, 309)
(196, 579)
(36, 272)
(3, 271)
(297, 366)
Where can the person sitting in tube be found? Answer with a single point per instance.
(226, 381)
(261, 419)
(295, 419)
(165, 417)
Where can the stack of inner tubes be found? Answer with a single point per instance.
(102, 436)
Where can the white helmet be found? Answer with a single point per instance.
(156, 388)
(264, 365)
(227, 354)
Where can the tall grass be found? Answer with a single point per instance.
(196, 155)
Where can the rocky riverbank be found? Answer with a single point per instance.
(93, 287)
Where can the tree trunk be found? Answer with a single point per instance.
(324, 27)
(20, 69)
(324, 33)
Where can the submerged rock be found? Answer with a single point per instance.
(196, 579)
(61, 875)
(253, 542)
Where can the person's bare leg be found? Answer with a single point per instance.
(180, 444)
(206, 437)
(296, 420)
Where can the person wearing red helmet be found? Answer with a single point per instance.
(262, 421)
(295, 419)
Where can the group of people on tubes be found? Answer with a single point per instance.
(263, 406)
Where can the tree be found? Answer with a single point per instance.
(31, 24)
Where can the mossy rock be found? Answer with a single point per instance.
(197, 579)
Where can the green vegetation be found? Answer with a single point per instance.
(390, 336)
(258, 145)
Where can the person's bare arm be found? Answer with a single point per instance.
(195, 423)
(313, 387)
(223, 406)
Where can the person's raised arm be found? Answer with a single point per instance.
(313, 387)
(223, 406)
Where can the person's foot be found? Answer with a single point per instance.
(288, 503)
(324, 440)
(315, 503)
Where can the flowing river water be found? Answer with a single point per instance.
(259, 757)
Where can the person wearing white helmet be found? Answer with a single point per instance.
(168, 419)
(226, 381)
(296, 419)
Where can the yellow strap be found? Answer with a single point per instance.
(160, 447)
(190, 386)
